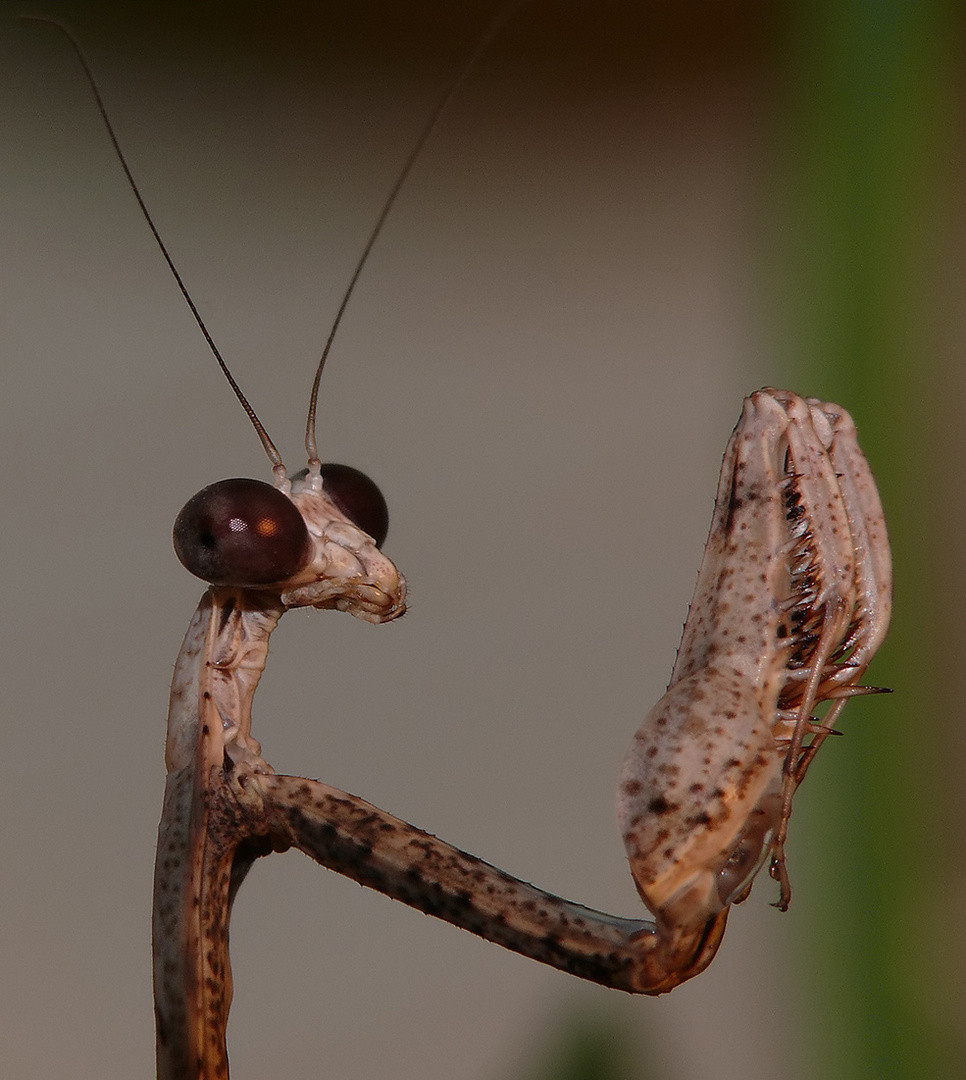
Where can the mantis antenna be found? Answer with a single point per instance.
(270, 448)
(496, 24)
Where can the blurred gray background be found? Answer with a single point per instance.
(541, 366)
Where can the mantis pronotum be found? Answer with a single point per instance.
(697, 956)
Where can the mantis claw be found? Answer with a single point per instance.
(792, 600)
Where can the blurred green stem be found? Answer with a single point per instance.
(868, 128)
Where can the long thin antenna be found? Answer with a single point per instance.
(270, 448)
(496, 25)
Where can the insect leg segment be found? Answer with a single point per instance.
(705, 767)
(209, 736)
(792, 600)
(351, 836)
(842, 590)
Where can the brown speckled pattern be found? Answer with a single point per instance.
(209, 725)
(353, 837)
(791, 602)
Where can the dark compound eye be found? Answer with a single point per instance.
(358, 498)
(241, 532)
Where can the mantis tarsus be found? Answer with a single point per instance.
(203, 755)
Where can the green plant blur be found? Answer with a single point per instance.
(585, 1046)
(869, 125)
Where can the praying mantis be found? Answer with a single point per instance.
(792, 601)
(863, 512)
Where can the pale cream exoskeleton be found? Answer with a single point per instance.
(793, 598)
(297, 542)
